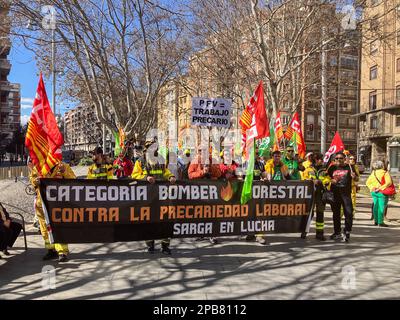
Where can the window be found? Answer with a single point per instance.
(397, 121)
(374, 24)
(398, 95)
(374, 2)
(373, 123)
(349, 62)
(372, 100)
(310, 135)
(331, 121)
(373, 47)
(398, 37)
(398, 65)
(331, 106)
(310, 119)
(373, 72)
(285, 120)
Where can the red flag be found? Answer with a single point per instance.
(254, 118)
(336, 146)
(294, 126)
(43, 138)
(278, 128)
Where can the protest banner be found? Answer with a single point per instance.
(82, 211)
(211, 112)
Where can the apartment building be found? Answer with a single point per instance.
(82, 130)
(10, 99)
(379, 117)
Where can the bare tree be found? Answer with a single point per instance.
(115, 55)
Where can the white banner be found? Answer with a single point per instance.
(211, 112)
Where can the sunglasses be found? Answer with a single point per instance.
(290, 151)
(352, 159)
(340, 158)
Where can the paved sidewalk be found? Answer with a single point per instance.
(287, 268)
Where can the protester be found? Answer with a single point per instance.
(183, 165)
(100, 169)
(318, 174)
(228, 166)
(152, 169)
(198, 169)
(342, 176)
(123, 165)
(307, 162)
(275, 169)
(375, 186)
(259, 169)
(354, 185)
(60, 171)
(9, 230)
(292, 164)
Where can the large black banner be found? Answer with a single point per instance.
(86, 211)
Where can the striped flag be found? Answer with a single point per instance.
(278, 128)
(43, 138)
(294, 129)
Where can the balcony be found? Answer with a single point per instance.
(5, 86)
(376, 126)
(5, 64)
(5, 46)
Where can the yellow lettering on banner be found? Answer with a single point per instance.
(163, 212)
(180, 212)
(283, 210)
(54, 216)
(245, 210)
(290, 211)
(236, 211)
(79, 214)
(133, 217)
(102, 215)
(207, 212)
(114, 214)
(145, 213)
(67, 215)
(171, 212)
(188, 214)
(275, 209)
(220, 211)
(298, 209)
(91, 211)
(228, 211)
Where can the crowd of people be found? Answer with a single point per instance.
(335, 182)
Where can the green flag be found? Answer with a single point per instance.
(117, 149)
(248, 181)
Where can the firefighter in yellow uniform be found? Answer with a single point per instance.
(318, 174)
(100, 169)
(151, 170)
(307, 163)
(59, 171)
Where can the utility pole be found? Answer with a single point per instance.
(323, 96)
(53, 59)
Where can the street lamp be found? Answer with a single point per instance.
(34, 26)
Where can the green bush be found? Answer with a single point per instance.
(86, 161)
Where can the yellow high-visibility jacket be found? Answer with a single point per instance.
(104, 171)
(311, 173)
(54, 173)
(270, 171)
(141, 172)
(374, 180)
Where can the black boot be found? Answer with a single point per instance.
(50, 255)
(165, 249)
(320, 236)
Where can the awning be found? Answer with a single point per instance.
(388, 109)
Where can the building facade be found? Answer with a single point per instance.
(10, 99)
(379, 117)
(82, 130)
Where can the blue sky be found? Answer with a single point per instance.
(25, 72)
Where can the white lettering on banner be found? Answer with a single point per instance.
(96, 193)
(178, 192)
(193, 228)
(257, 226)
(281, 192)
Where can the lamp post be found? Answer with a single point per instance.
(34, 26)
